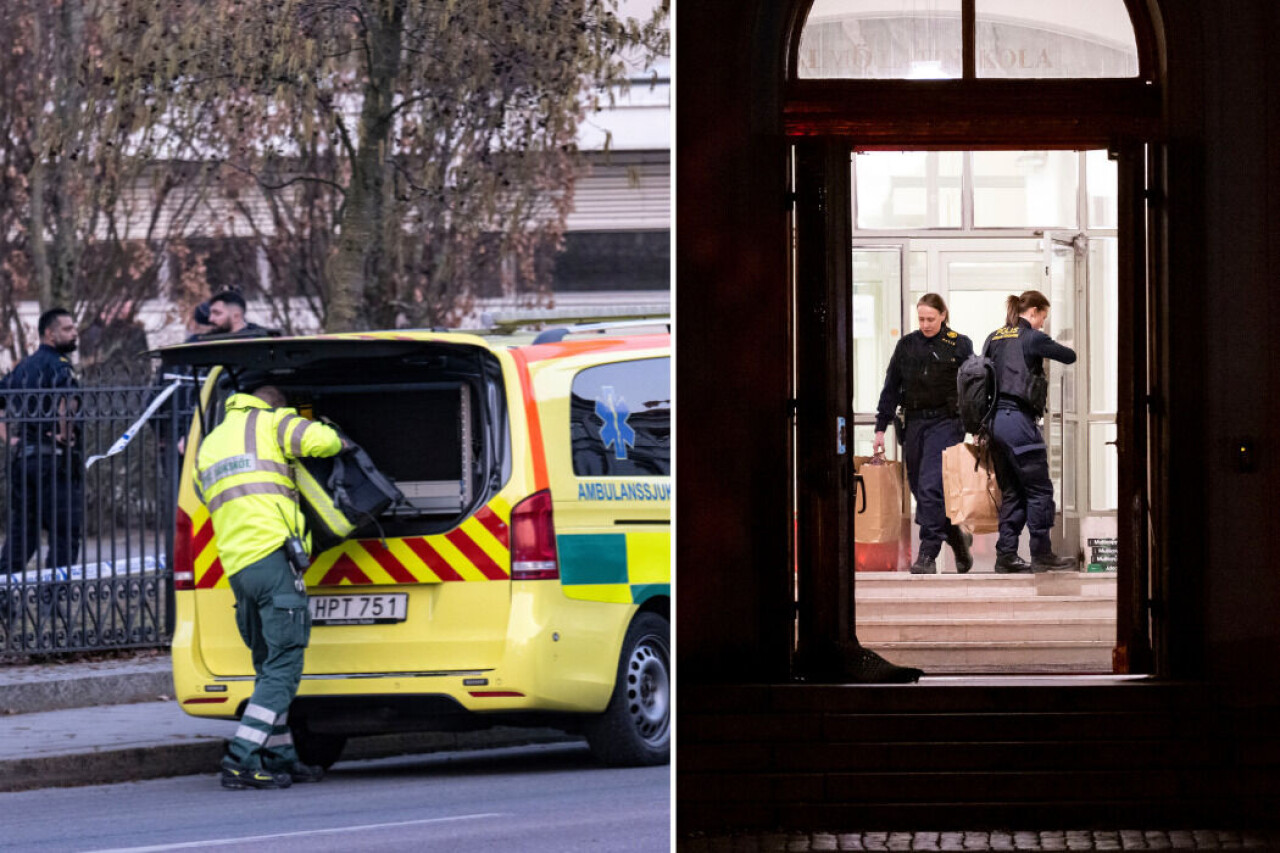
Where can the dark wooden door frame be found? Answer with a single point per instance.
(825, 120)
(1136, 588)
(823, 288)
(823, 403)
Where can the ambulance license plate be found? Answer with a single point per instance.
(359, 609)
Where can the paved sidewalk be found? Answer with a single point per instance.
(1134, 839)
(113, 743)
(89, 723)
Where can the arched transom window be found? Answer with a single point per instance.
(948, 39)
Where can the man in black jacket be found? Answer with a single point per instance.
(42, 433)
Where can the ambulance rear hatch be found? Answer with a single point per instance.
(428, 586)
(428, 410)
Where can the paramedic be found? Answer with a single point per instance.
(1019, 349)
(242, 474)
(922, 379)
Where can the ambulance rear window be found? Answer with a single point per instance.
(620, 419)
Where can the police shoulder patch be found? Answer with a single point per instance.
(952, 335)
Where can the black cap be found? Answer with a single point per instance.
(248, 381)
(201, 314)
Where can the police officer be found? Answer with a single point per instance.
(922, 379)
(243, 476)
(46, 485)
(1019, 349)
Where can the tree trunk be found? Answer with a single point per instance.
(358, 264)
(39, 162)
(69, 47)
(55, 249)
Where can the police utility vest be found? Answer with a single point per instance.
(1028, 386)
(929, 375)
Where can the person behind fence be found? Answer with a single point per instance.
(169, 420)
(227, 315)
(243, 475)
(922, 379)
(43, 433)
(1021, 458)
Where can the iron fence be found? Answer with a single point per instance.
(85, 559)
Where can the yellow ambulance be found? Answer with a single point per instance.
(525, 576)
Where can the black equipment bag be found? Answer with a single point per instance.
(976, 393)
(342, 495)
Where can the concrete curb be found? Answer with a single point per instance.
(201, 755)
(109, 766)
(37, 698)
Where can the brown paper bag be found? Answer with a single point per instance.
(972, 494)
(881, 484)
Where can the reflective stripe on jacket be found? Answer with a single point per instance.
(242, 474)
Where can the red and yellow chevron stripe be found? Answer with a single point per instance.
(479, 549)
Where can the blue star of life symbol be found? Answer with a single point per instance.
(614, 431)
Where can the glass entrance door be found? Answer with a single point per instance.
(975, 283)
(877, 327)
(1066, 272)
(976, 277)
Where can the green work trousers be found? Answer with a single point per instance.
(272, 615)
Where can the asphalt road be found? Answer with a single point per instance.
(548, 797)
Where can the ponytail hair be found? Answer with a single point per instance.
(1015, 306)
(937, 303)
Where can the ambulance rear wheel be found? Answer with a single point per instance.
(636, 727)
(317, 748)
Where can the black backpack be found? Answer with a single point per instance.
(343, 495)
(976, 392)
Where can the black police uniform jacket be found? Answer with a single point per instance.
(35, 392)
(1019, 352)
(922, 375)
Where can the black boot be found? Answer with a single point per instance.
(851, 663)
(867, 667)
(924, 566)
(1051, 562)
(960, 542)
(1011, 563)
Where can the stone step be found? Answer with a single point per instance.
(897, 584)
(1017, 630)
(915, 608)
(1054, 622)
(983, 657)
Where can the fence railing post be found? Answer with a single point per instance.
(86, 562)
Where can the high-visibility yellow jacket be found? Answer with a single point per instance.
(243, 476)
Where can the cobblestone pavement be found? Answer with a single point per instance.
(780, 842)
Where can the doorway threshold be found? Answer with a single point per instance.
(1034, 679)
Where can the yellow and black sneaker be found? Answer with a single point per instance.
(234, 776)
(300, 772)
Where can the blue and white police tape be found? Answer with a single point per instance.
(134, 567)
(123, 441)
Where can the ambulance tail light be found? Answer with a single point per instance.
(184, 558)
(533, 539)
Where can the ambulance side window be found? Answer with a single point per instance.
(620, 419)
